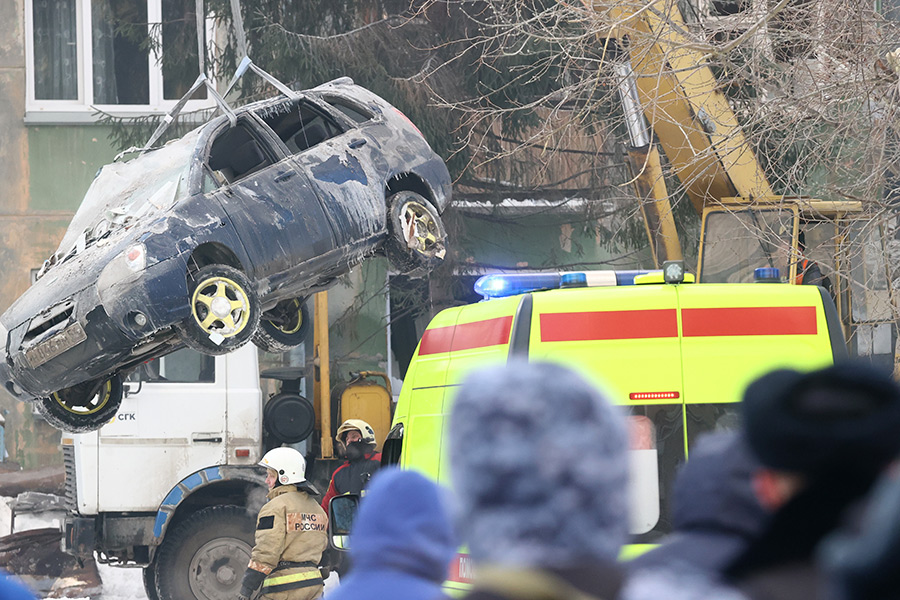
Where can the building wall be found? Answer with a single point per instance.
(46, 169)
(25, 234)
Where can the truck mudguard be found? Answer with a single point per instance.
(195, 482)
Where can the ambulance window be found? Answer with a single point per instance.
(702, 418)
(181, 366)
(656, 451)
(393, 446)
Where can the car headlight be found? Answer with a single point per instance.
(136, 257)
(132, 260)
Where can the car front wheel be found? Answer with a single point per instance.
(417, 239)
(83, 407)
(224, 310)
(283, 327)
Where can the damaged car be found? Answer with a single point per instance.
(217, 239)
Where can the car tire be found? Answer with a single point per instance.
(284, 327)
(224, 310)
(204, 557)
(149, 578)
(416, 237)
(83, 407)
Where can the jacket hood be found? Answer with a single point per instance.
(538, 457)
(403, 525)
(714, 489)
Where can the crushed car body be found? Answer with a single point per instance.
(217, 238)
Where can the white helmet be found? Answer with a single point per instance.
(365, 430)
(287, 463)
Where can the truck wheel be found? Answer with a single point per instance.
(284, 327)
(416, 237)
(224, 310)
(83, 407)
(205, 556)
(149, 577)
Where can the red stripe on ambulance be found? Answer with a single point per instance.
(761, 320)
(609, 325)
(466, 336)
(461, 569)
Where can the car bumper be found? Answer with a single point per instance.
(99, 336)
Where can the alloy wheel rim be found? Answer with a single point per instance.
(220, 305)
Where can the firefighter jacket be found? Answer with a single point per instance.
(291, 534)
(352, 476)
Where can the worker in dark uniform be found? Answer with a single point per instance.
(356, 442)
(291, 534)
(808, 271)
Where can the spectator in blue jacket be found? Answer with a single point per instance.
(12, 589)
(402, 541)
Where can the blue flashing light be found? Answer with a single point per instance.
(627, 277)
(571, 280)
(767, 275)
(511, 284)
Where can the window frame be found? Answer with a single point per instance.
(84, 107)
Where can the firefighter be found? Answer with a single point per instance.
(356, 442)
(291, 534)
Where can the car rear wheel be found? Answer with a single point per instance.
(83, 407)
(283, 327)
(417, 239)
(204, 557)
(224, 310)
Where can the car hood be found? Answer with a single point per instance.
(65, 280)
(125, 192)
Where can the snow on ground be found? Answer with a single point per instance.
(121, 584)
(118, 583)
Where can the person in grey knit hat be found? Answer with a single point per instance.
(538, 460)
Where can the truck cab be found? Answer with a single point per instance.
(171, 483)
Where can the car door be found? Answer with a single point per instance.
(337, 157)
(271, 205)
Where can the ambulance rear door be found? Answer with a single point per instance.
(625, 339)
(734, 333)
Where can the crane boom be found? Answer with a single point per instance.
(692, 119)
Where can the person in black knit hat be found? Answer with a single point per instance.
(822, 438)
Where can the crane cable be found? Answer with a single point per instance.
(203, 80)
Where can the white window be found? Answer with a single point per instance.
(109, 55)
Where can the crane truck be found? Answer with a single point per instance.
(744, 223)
(171, 485)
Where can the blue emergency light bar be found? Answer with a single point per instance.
(767, 275)
(501, 285)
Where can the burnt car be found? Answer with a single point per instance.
(217, 238)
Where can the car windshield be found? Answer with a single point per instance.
(124, 192)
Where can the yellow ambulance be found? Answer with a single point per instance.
(678, 355)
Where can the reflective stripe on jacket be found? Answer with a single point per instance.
(292, 581)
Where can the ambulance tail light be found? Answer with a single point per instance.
(644, 475)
